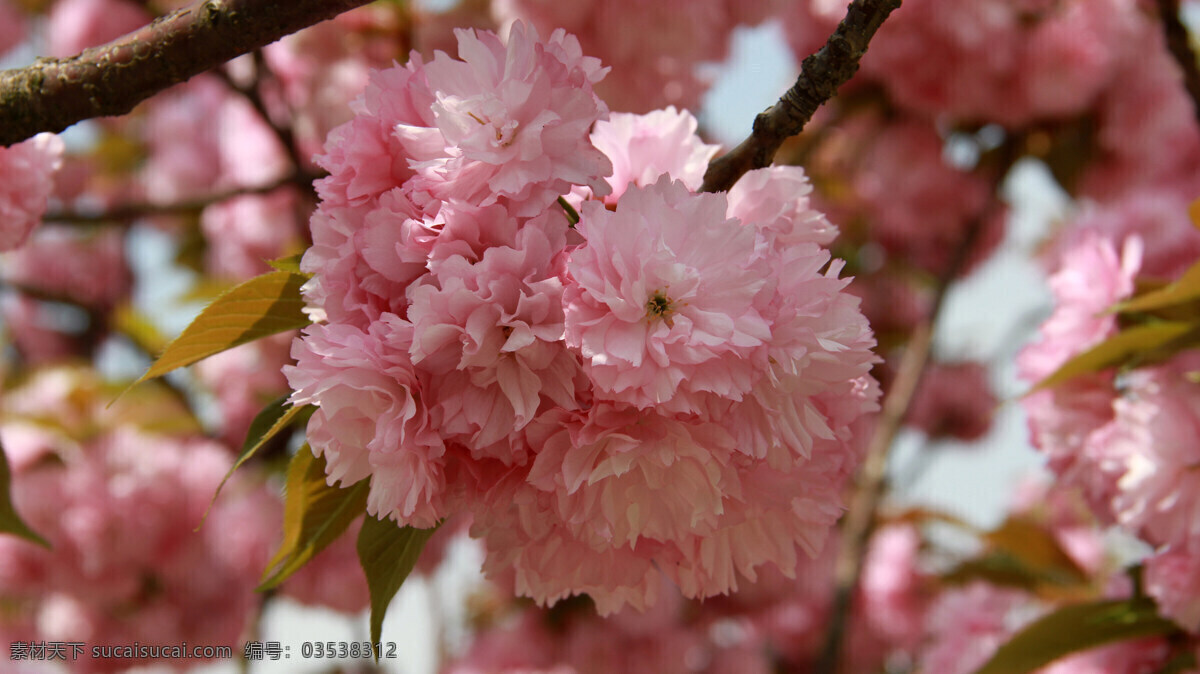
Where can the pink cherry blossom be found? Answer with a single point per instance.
(76, 265)
(515, 120)
(644, 147)
(917, 205)
(668, 299)
(127, 563)
(653, 47)
(966, 625)
(26, 173)
(1093, 275)
(490, 332)
(1154, 440)
(998, 61)
(372, 420)
(1172, 577)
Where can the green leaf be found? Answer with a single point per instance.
(1075, 628)
(314, 515)
(272, 419)
(290, 264)
(1185, 289)
(388, 554)
(10, 521)
(1135, 345)
(260, 307)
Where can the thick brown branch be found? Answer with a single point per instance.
(52, 94)
(1180, 45)
(820, 76)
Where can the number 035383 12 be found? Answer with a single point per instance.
(347, 649)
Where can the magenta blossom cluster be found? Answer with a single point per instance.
(671, 383)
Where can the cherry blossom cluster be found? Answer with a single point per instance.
(120, 505)
(672, 383)
(1126, 441)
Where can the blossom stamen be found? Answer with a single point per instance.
(660, 306)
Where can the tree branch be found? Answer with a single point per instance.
(127, 212)
(820, 76)
(112, 79)
(1180, 46)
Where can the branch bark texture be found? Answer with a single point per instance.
(820, 76)
(53, 94)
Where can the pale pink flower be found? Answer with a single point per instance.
(514, 119)
(778, 200)
(644, 147)
(371, 420)
(205, 138)
(76, 25)
(966, 625)
(365, 157)
(128, 565)
(653, 47)
(1070, 422)
(542, 560)
(1133, 656)
(26, 174)
(622, 476)
(667, 299)
(1172, 577)
(1156, 425)
(490, 331)
(917, 205)
(361, 266)
(996, 61)
(1093, 276)
(74, 264)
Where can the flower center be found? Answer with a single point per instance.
(660, 306)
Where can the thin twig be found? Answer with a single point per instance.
(52, 94)
(1180, 45)
(820, 76)
(253, 95)
(125, 213)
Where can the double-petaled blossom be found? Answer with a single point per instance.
(671, 387)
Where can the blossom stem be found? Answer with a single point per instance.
(820, 76)
(53, 94)
(572, 214)
(1179, 43)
